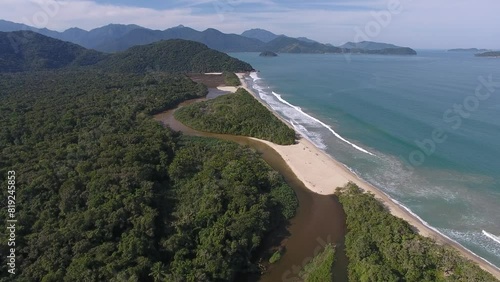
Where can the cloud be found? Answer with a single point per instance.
(423, 23)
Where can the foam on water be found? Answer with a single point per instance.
(391, 175)
(491, 236)
(264, 96)
(466, 237)
(321, 123)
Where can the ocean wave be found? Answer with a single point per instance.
(442, 233)
(491, 236)
(298, 119)
(309, 119)
(254, 76)
(278, 96)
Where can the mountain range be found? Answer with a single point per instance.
(116, 37)
(30, 51)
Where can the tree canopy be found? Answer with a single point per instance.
(382, 247)
(107, 194)
(238, 114)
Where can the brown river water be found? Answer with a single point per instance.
(319, 219)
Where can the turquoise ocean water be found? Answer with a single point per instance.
(424, 129)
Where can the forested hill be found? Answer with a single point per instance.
(30, 51)
(175, 55)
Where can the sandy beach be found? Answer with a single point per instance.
(322, 174)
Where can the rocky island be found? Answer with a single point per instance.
(268, 54)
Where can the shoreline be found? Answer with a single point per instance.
(322, 174)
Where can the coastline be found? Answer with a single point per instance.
(322, 174)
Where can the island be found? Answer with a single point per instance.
(495, 54)
(376, 48)
(476, 50)
(268, 54)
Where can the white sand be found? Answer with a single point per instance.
(231, 89)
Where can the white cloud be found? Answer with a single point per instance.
(423, 23)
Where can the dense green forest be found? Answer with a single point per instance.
(231, 79)
(30, 51)
(382, 247)
(174, 55)
(104, 193)
(320, 268)
(238, 114)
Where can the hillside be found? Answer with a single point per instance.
(211, 37)
(97, 37)
(368, 45)
(260, 34)
(284, 44)
(115, 38)
(105, 192)
(30, 51)
(173, 56)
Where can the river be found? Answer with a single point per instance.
(319, 219)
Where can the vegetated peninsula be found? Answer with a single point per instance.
(495, 54)
(237, 114)
(107, 193)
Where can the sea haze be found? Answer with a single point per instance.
(372, 112)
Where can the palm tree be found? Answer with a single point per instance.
(158, 272)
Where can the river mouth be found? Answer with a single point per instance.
(319, 219)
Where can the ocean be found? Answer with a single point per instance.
(424, 129)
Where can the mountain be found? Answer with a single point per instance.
(489, 54)
(88, 39)
(368, 45)
(260, 34)
(31, 51)
(175, 55)
(7, 26)
(476, 50)
(98, 36)
(305, 39)
(115, 38)
(267, 36)
(284, 44)
(211, 37)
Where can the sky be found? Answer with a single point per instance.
(421, 24)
